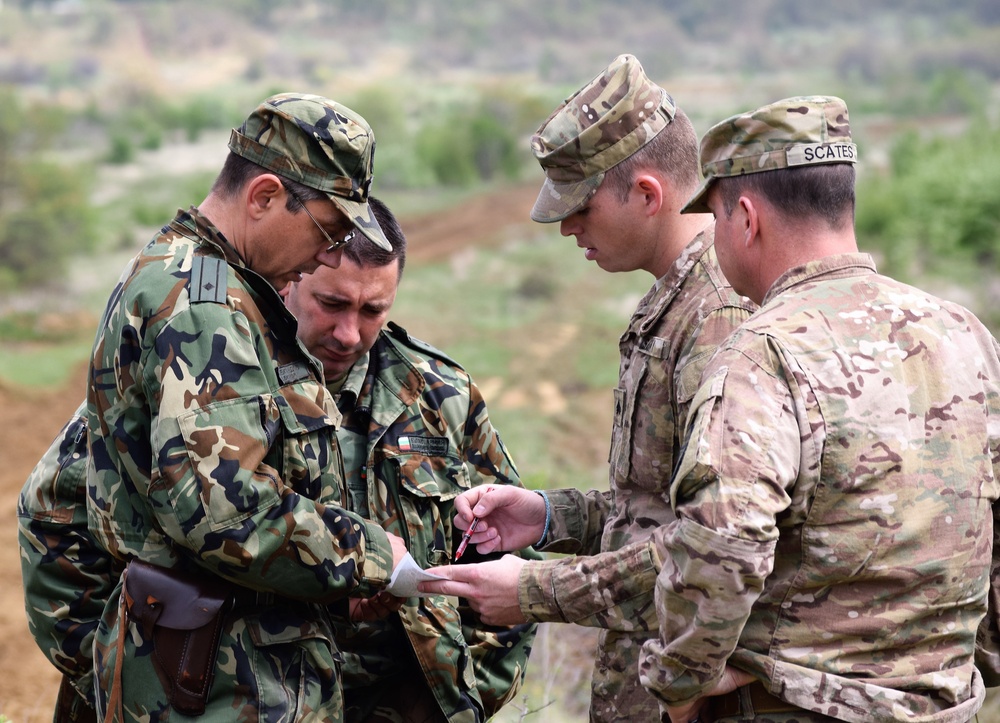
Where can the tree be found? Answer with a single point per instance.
(44, 214)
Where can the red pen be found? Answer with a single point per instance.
(468, 533)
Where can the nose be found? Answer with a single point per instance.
(330, 258)
(347, 332)
(569, 226)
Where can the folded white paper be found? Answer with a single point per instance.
(405, 577)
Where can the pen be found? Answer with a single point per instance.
(468, 533)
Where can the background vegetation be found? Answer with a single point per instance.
(114, 113)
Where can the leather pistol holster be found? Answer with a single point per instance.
(183, 614)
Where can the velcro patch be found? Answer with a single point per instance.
(294, 372)
(431, 446)
(809, 153)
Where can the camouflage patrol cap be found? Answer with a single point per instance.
(319, 143)
(595, 129)
(800, 131)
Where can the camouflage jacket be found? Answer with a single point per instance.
(674, 331)
(417, 433)
(67, 576)
(834, 502)
(213, 449)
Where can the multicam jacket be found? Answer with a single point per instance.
(834, 501)
(416, 434)
(213, 449)
(675, 329)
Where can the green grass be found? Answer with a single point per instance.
(41, 365)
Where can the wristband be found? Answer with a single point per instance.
(548, 518)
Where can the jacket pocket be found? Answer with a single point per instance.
(295, 667)
(422, 490)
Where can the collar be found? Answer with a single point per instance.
(348, 389)
(837, 266)
(652, 306)
(194, 221)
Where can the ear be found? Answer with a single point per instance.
(649, 189)
(750, 216)
(264, 193)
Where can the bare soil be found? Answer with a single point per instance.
(32, 418)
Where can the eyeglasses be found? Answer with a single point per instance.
(333, 245)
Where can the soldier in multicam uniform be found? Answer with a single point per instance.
(419, 415)
(214, 468)
(620, 160)
(834, 535)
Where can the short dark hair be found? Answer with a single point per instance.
(364, 252)
(825, 191)
(237, 172)
(673, 152)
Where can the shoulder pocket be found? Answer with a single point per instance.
(56, 489)
(226, 443)
(699, 450)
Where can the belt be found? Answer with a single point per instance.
(759, 700)
(247, 600)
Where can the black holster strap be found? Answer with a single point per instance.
(183, 614)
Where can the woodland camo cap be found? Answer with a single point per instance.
(800, 131)
(319, 143)
(595, 129)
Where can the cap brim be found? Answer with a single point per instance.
(697, 202)
(363, 219)
(556, 201)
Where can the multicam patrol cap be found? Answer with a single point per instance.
(595, 129)
(800, 131)
(319, 143)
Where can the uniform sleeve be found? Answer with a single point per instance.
(742, 455)
(987, 654)
(67, 576)
(499, 653)
(578, 520)
(218, 435)
(611, 590)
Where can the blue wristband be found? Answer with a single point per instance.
(548, 518)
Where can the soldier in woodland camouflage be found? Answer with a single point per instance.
(213, 450)
(620, 159)
(68, 578)
(415, 432)
(834, 536)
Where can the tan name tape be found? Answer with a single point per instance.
(809, 153)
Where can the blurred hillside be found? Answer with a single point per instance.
(115, 113)
(89, 89)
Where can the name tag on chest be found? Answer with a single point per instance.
(431, 446)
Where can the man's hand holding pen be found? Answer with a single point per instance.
(509, 518)
(495, 518)
(467, 535)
